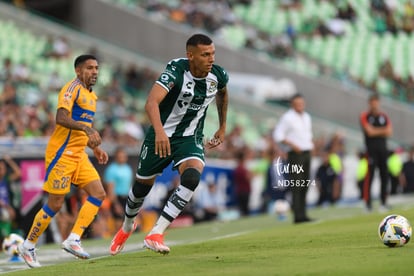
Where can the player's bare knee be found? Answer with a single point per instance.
(190, 178)
(101, 195)
(56, 203)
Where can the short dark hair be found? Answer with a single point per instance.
(374, 96)
(82, 58)
(198, 39)
(295, 96)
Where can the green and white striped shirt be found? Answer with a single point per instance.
(184, 108)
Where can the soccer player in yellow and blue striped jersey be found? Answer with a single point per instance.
(67, 162)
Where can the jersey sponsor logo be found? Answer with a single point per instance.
(86, 116)
(169, 73)
(144, 153)
(164, 77)
(67, 95)
(194, 106)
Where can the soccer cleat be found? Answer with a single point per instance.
(118, 242)
(155, 242)
(74, 247)
(29, 256)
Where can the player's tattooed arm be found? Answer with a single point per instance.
(63, 119)
(222, 99)
(222, 103)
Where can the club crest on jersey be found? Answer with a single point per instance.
(212, 88)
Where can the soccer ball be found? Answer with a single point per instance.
(10, 244)
(394, 231)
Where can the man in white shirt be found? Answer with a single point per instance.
(294, 130)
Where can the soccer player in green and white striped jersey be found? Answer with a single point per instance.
(176, 106)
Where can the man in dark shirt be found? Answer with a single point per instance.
(326, 177)
(242, 178)
(377, 128)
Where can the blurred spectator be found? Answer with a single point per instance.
(294, 131)
(33, 128)
(336, 151)
(407, 24)
(291, 32)
(235, 141)
(114, 93)
(54, 82)
(242, 178)
(380, 23)
(282, 46)
(325, 179)
(131, 133)
(407, 173)
(6, 70)
(394, 164)
(8, 97)
(209, 203)
(362, 170)
(133, 79)
(376, 127)
(11, 123)
(118, 178)
(346, 11)
(378, 5)
(57, 47)
(7, 212)
(21, 73)
(108, 133)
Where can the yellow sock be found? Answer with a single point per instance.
(40, 223)
(86, 215)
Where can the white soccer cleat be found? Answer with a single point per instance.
(28, 255)
(74, 247)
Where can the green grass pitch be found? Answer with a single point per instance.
(344, 241)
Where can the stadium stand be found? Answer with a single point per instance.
(20, 46)
(344, 39)
(43, 67)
